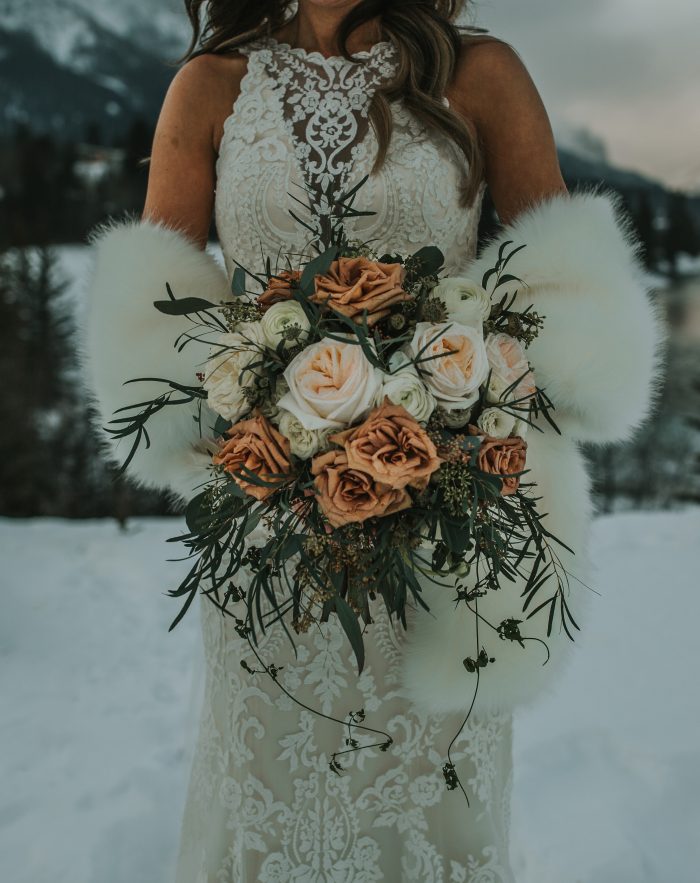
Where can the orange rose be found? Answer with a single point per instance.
(503, 457)
(356, 284)
(346, 494)
(391, 447)
(256, 445)
(279, 288)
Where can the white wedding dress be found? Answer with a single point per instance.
(263, 804)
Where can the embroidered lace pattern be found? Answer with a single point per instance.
(262, 803)
(300, 129)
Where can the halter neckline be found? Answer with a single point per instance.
(316, 55)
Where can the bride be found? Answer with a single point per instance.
(284, 103)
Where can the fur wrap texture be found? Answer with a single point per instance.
(597, 358)
(124, 336)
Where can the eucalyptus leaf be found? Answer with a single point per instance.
(317, 266)
(238, 282)
(351, 627)
(197, 512)
(183, 306)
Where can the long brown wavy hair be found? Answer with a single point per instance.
(428, 46)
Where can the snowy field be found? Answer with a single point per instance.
(100, 702)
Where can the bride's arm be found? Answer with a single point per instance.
(122, 335)
(598, 356)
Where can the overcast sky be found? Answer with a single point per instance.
(629, 70)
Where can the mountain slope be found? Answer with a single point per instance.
(67, 63)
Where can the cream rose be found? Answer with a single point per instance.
(404, 387)
(304, 443)
(496, 422)
(457, 363)
(225, 376)
(331, 385)
(509, 368)
(466, 301)
(280, 319)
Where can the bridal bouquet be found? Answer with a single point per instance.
(371, 417)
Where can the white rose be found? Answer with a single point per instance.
(404, 387)
(331, 385)
(225, 376)
(496, 423)
(303, 442)
(466, 301)
(280, 318)
(457, 364)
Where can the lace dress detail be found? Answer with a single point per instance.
(263, 804)
(300, 129)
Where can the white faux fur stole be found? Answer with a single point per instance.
(597, 358)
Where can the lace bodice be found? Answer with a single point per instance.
(299, 132)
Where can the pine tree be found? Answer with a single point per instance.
(36, 359)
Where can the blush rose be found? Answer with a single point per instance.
(454, 358)
(331, 384)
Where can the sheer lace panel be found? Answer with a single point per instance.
(324, 103)
(299, 133)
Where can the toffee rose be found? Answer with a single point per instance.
(503, 457)
(256, 445)
(391, 447)
(352, 285)
(348, 495)
(454, 358)
(279, 288)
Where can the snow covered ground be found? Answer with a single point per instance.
(99, 707)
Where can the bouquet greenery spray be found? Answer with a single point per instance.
(371, 417)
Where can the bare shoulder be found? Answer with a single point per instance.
(489, 71)
(182, 170)
(492, 89)
(202, 93)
